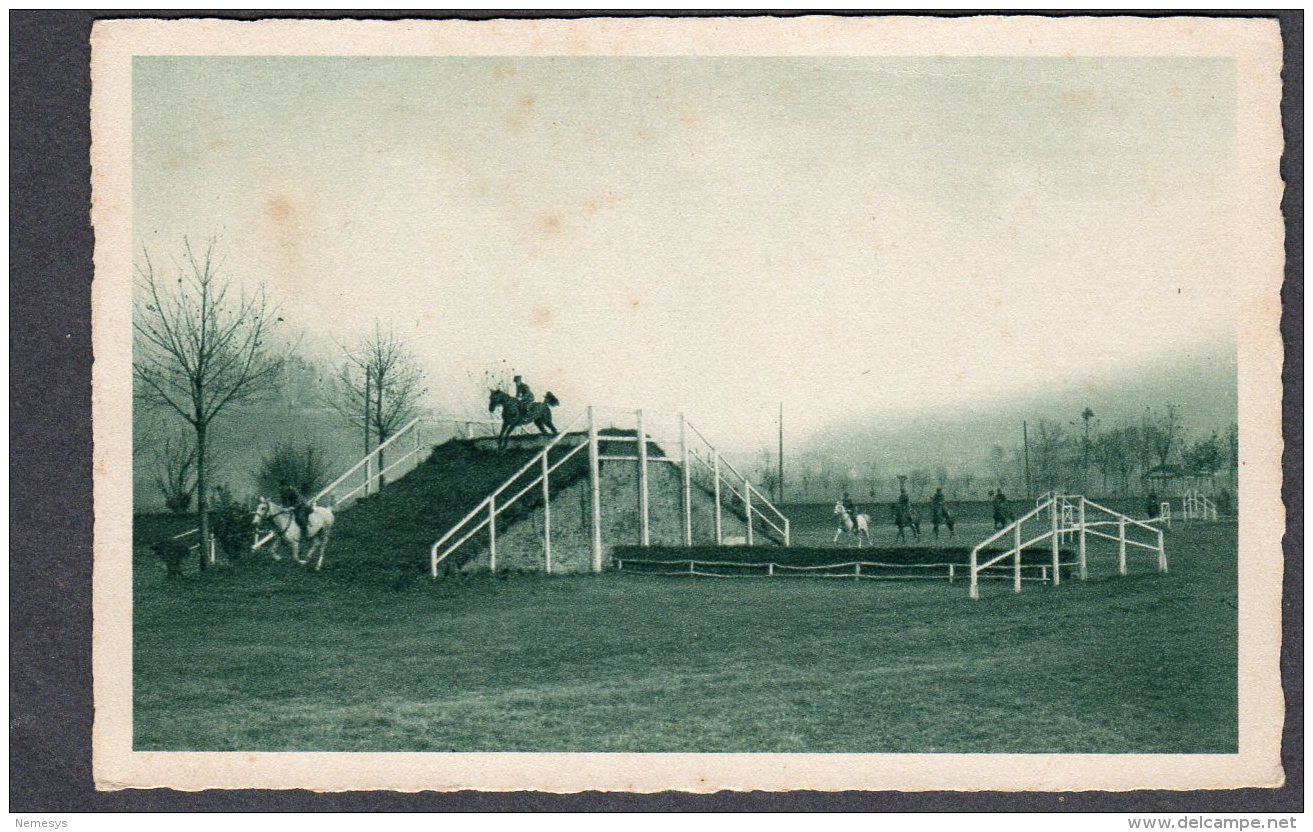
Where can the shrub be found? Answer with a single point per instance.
(303, 466)
(230, 523)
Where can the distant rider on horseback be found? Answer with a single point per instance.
(1000, 504)
(937, 506)
(850, 507)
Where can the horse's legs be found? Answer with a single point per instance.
(322, 543)
(837, 532)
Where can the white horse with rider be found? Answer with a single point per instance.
(288, 532)
(859, 528)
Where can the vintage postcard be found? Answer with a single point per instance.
(697, 404)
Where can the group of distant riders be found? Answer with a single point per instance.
(939, 512)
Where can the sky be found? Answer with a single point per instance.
(715, 235)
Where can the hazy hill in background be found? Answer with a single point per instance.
(1202, 385)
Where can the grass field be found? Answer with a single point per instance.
(265, 657)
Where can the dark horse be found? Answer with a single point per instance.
(515, 413)
(906, 517)
(941, 516)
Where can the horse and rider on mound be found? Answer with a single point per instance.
(521, 410)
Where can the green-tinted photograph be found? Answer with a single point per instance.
(685, 404)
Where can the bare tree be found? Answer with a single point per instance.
(1089, 428)
(1047, 448)
(200, 345)
(174, 469)
(1163, 433)
(999, 466)
(379, 387)
(768, 475)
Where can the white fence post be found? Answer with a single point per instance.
(1084, 574)
(492, 534)
(747, 506)
(1162, 553)
(594, 475)
(688, 496)
(1057, 556)
(469, 430)
(975, 585)
(644, 531)
(788, 539)
(1121, 545)
(715, 487)
(1016, 559)
(547, 518)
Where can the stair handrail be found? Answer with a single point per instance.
(756, 505)
(328, 489)
(364, 459)
(482, 506)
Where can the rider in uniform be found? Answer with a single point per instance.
(1000, 509)
(300, 508)
(522, 392)
(937, 506)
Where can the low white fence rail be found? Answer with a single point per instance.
(1049, 514)
(852, 570)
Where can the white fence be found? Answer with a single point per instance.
(691, 447)
(853, 570)
(1195, 506)
(1056, 525)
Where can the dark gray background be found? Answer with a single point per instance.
(50, 476)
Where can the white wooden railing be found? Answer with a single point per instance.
(401, 450)
(484, 515)
(857, 570)
(1195, 506)
(1048, 514)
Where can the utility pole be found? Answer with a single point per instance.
(366, 420)
(781, 460)
(1025, 444)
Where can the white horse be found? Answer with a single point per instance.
(288, 531)
(863, 526)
